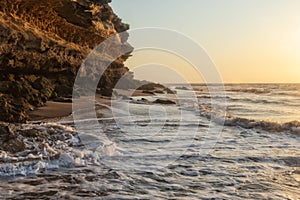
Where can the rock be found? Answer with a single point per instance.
(9, 112)
(5, 86)
(35, 133)
(169, 91)
(148, 92)
(10, 142)
(182, 88)
(45, 87)
(13, 145)
(64, 90)
(143, 100)
(152, 88)
(164, 101)
(158, 92)
(42, 83)
(43, 44)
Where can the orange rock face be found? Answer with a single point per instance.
(42, 46)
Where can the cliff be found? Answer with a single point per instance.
(43, 44)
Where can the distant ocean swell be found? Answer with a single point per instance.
(289, 127)
(285, 102)
(292, 127)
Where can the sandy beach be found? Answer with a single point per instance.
(52, 110)
(55, 111)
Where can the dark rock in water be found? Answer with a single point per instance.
(182, 88)
(152, 88)
(10, 142)
(13, 145)
(158, 92)
(40, 141)
(35, 133)
(143, 100)
(43, 44)
(164, 101)
(149, 92)
(169, 91)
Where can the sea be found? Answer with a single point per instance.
(233, 141)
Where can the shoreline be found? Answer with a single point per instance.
(54, 111)
(62, 111)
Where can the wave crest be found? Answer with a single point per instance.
(291, 127)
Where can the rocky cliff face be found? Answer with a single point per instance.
(43, 44)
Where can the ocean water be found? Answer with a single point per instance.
(240, 141)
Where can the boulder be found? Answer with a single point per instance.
(10, 142)
(164, 101)
(152, 88)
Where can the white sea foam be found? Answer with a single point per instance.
(62, 149)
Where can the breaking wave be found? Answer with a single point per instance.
(292, 127)
(289, 127)
(46, 146)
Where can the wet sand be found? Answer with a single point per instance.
(54, 111)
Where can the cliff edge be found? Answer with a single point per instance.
(42, 46)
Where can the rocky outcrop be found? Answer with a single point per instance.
(164, 101)
(21, 142)
(43, 44)
(152, 88)
(10, 141)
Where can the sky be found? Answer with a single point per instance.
(250, 41)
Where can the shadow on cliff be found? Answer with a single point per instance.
(42, 46)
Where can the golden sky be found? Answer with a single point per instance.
(250, 41)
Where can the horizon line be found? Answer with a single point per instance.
(236, 83)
